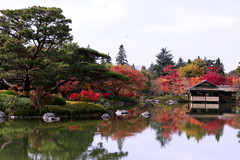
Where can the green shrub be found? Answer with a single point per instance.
(103, 100)
(58, 101)
(9, 92)
(2, 100)
(85, 108)
(9, 103)
(132, 100)
(28, 110)
(21, 106)
(58, 110)
(74, 109)
(180, 98)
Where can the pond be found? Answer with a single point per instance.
(174, 133)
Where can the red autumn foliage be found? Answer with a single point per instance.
(85, 96)
(214, 127)
(126, 95)
(69, 87)
(136, 82)
(171, 83)
(106, 95)
(75, 97)
(215, 78)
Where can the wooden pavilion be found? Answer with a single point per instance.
(207, 95)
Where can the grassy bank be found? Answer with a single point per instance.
(14, 105)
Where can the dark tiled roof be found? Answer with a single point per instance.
(204, 89)
(204, 81)
(212, 87)
(227, 88)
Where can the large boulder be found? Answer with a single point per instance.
(2, 114)
(50, 117)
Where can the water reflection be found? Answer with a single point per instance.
(75, 139)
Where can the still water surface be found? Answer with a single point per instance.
(169, 134)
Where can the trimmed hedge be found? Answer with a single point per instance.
(21, 106)
(58, 110)
(24, 111)
(85, 107)
(58, 101)
(125, 99)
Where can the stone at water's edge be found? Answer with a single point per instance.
(2, 114)
(172, 102)
(107, 104)
(106, 116)
(50, 117)
(121, 113)
(145, 114)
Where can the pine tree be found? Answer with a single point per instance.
(208, 62)
(219, 65)
(164, 58)
(180, 63)
(189, 61)
(121, 58)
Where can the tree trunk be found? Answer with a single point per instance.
(26, 87)
(10, 85)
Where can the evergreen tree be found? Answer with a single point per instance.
(164, 58)
(238, 69)
(152, 70)
(189, 61)
(121, 58)
(220, 65)
(180, 63)
(208, 62)
(28, 38)
(35, 51)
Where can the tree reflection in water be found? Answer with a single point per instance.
(73, 139)
(99, 153)
(169, 121)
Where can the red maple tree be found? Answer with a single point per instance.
(172, 81)
(215, 78)
(135, 84)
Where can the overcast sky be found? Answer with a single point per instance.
(189, 28)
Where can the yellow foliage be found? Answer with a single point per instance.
(191, 70)
(72, 102)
